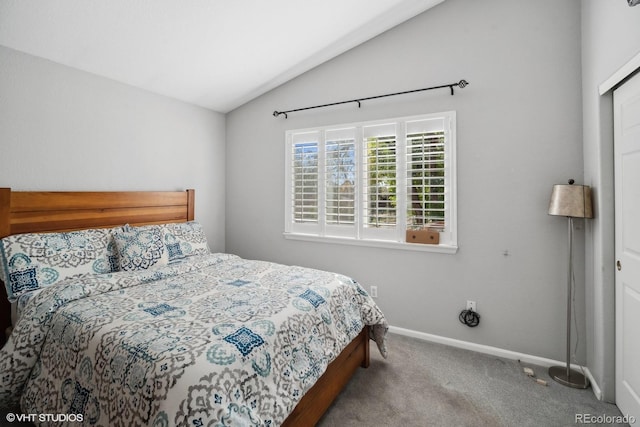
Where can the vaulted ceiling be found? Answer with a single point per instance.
(217, 54)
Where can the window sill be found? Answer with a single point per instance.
(443, 249)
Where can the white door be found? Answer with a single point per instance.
(626, 102)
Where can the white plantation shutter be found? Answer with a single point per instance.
(340, 177)
(303, 161)
(370, 182)
(380, 175)
(426, 196)
(379, 180)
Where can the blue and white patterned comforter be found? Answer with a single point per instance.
(211, 340)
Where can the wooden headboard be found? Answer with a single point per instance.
(49, 211)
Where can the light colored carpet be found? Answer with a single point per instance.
(427, 384)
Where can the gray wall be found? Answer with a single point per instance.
(64, 129)
(519, 132)
(610, 38)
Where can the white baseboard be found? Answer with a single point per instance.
(594, 385)
(495, 351)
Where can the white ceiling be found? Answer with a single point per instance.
(218, 54)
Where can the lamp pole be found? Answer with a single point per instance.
(568, 376)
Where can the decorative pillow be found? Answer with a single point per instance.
(185, 239)
(141, 247)
(35, 260)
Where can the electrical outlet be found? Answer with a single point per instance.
(374, 292)
(471, 305)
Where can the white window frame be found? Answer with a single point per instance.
(358, 234)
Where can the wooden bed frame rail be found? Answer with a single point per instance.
(45, 211)
(320, 397)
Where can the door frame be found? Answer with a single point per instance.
(629, 92)
(602, 246)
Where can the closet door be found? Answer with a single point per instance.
(626, 101)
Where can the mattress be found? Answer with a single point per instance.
(207, 340)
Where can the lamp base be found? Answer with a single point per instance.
(575, 379)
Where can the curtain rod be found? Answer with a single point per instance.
(461, 84)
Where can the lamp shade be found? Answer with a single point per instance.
(571, 201)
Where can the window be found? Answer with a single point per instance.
(367, 183)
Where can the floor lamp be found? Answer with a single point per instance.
(571, 201)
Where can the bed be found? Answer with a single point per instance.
(175, 336)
